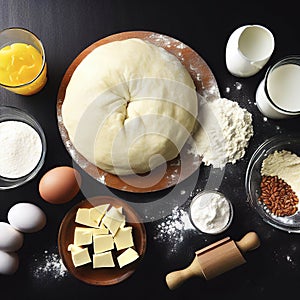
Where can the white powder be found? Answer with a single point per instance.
(210, 212)
(20, 150)
(224, 132)
(238, 85)
(172, 228)
(50, 267)
(102, 179)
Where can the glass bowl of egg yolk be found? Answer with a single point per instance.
(269, 165)
(23, 68)
(23, 147)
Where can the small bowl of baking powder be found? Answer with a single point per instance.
(211, 212)
(23, 147)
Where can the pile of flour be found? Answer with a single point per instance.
(223, 134)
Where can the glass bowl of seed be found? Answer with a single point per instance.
(272, 182)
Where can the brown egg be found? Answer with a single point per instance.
(60, 185)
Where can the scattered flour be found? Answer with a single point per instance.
(102, 179)
(238, 85)
(50, 267)
(224, 132)
(172, 228)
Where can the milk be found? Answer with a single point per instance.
(283, 85)
(278, 94)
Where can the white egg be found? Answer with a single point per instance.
(26, 217)
(10, 238)
(9, 262)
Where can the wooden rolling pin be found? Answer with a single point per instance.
(215, 259)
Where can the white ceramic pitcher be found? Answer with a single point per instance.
(248, 49)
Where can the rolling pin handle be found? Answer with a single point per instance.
(177, 278)
(249, 242)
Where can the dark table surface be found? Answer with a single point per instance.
(66, 28)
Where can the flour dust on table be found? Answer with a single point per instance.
(173, 229)
(49, 266)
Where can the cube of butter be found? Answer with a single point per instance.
(83, 236)
(123, 238)
(103, 260)
(83, 217)
(103, 242)
(127, 257)
(80, 257)
(113, 220)
(97, 213)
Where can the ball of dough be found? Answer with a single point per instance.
(129, 106)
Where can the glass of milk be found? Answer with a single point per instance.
(278, 94)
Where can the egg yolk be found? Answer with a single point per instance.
(19, 64)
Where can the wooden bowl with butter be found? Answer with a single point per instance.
(88, 260)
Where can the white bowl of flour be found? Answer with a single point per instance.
(23, 147)
(211, 212)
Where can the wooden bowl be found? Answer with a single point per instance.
(177, 169)
(101, 276)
